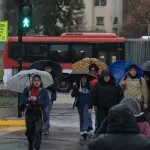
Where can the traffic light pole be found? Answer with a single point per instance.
(20, 33)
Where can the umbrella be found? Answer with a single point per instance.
(40, 65)
(21, 80)
(84, 64)
(120, 69)
(146, 66)
(76, 75)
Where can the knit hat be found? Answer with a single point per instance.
(133, 103)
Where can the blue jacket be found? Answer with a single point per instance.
(42, 101)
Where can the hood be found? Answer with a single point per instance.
(133, 103)
(106, 73)
(122, 120)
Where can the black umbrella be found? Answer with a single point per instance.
(40, 65)
(146, 66)
(76, 75)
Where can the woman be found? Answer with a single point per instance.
(121, 132)
(35, 99)
(105, 94)
(81, 93)
(135, 106)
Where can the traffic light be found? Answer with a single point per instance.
(115, 20)
(25, 17)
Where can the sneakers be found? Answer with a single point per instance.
(85, 134)
(46, 132)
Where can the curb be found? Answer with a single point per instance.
(12, 122)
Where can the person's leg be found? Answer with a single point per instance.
(46, 126)
(90, 127)
(38, 133)
(96, 125)
(101, 115)
(80, 112)
(85, 118)
(30, 133)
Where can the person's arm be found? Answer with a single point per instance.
(93, 96)
(42, 99)
(144, 90)
(75, 92)
(24, 99)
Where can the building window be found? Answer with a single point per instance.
(100, 20)
(100, 2)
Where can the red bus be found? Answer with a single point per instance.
(66, 49)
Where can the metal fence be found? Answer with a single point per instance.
(137, 50)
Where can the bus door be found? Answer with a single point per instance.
(110, 52)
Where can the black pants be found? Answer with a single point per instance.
(34, 131)
(101, 115)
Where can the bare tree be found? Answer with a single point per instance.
(137, 17)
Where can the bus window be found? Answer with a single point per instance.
(80, 51)
(102, 56)
(59, 53)
(13, 51)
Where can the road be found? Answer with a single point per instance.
(64, 133)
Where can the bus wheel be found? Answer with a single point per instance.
(64, 86)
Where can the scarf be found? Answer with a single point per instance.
(34, 90)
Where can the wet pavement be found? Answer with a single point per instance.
(64, 133)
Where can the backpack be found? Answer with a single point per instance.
(125, 78)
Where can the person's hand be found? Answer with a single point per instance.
(80, 90)
(33, 98)
(123, 83)
(145, 106)
(90, 111)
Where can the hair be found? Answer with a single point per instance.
(37, 76)
(94, 66)
(132, 67)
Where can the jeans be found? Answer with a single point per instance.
(48, 111)
(83, 117)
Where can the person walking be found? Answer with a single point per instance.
(120, 132)
(81, 93)
(135, 106)
(35, 99)
(52, 92)
(104, 94)
(135, 86)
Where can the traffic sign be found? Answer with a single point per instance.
(3, 31)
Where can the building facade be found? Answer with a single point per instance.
(102, 15)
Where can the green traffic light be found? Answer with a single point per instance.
(26, 23)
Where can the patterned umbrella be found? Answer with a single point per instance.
(21, 80)
(84, 64)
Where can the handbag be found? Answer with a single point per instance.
(75, 103)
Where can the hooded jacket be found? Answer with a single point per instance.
(105, 94)
(121, 132)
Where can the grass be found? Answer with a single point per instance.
(8, 102)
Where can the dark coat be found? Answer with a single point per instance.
(42, 102)
(53, 89)
(120, 132)
(105, 95)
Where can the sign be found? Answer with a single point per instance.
(3, 31)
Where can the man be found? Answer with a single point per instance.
(52, 97)
(93, 69)
(135, 86)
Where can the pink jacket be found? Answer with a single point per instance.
(144, 128)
